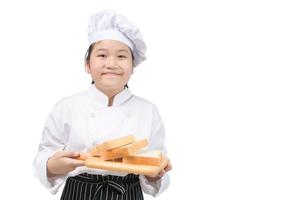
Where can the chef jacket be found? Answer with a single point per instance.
(79, 122)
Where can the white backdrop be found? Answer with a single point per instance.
(217, 71)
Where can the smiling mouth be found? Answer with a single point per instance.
(111, 74)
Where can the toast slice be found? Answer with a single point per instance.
(145, 158)
(150, 170)
(111, 144)
(127, 150)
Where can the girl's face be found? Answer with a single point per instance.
(110, 64)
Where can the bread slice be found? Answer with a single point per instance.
(127, 150)
(145, 158)
(93, 151)
(149, 170)
(111, 144)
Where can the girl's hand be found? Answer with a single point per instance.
(161, 174)
(62, 162)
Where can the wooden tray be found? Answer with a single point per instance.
(149, 170)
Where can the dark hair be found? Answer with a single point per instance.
(87, 57)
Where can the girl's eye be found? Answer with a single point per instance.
(101, 55)
(122, 56)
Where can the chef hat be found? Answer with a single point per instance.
(110, 25)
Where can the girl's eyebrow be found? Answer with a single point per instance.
(101, 49)
(123, 50)
(119, 50)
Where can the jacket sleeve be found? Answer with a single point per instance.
(54, 137)
(156, 141)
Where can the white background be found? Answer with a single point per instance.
(217, 71)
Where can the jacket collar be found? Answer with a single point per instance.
(100, 98)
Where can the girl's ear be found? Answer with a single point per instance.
(87, 68)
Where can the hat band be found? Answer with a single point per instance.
(109, 35)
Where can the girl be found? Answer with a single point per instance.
(106, 110)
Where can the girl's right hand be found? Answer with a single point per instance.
(62, 162)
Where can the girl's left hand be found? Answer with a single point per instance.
(161, 174)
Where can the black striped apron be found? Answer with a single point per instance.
(93, 187)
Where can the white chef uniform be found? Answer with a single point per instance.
(83, 120)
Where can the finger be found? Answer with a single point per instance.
(168, 167)
(82, 156)
(69, 154)
(77, 163)
(162, 173)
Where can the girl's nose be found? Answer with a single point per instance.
(111, 62)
